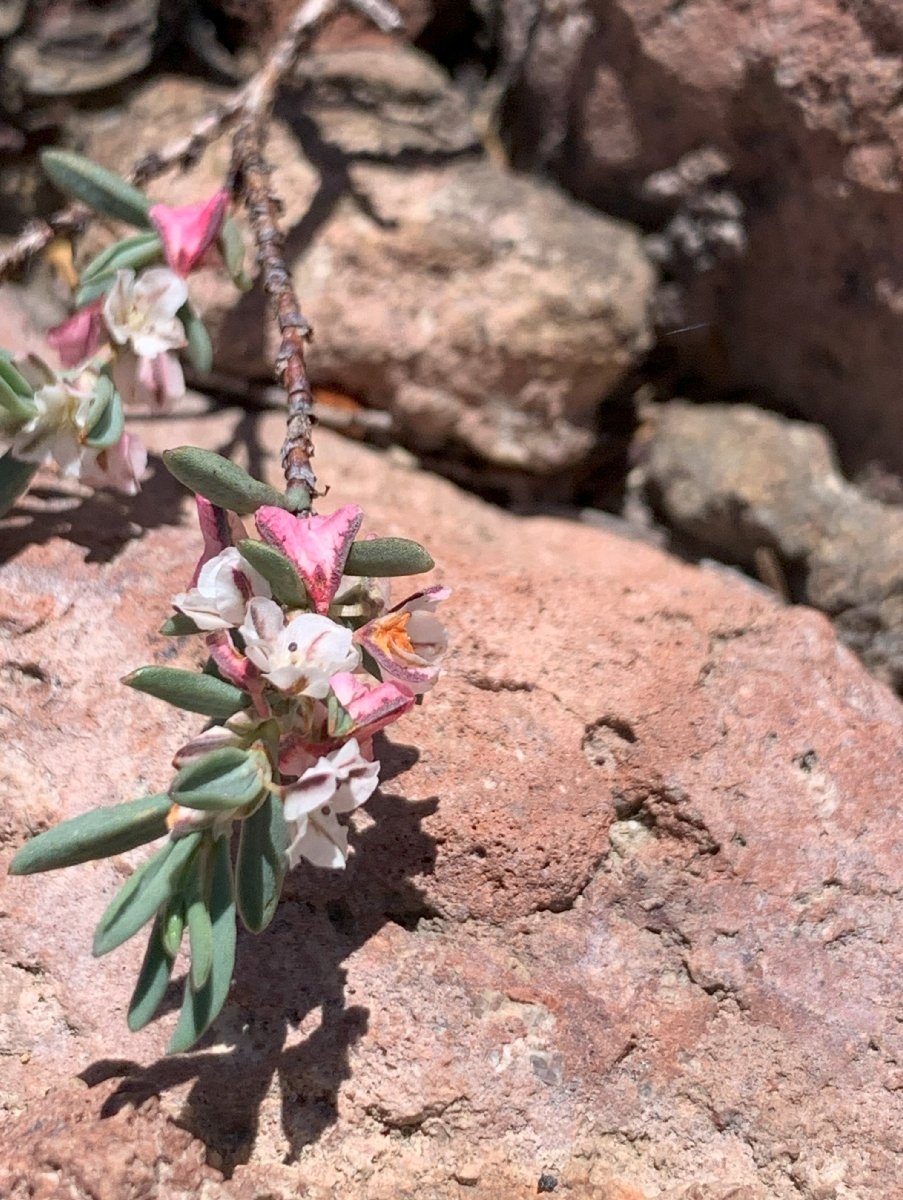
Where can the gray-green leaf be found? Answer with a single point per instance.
(277, 571)
(107, 429)
(382, 557)
(136, 251)
(201, 1008)
(260, 868)
(97, 187)
(96, 834)
(221, 780)
(222, 482)
(189, 690)
(145, 892)
(15, 476)
(153, 980)
(199, 348)
(200, 926)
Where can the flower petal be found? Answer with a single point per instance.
(316, 546)
(189, 230)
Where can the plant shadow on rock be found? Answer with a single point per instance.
(103, 523)
(282, 977)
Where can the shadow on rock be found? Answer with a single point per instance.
(103, 523)
(287, 1019)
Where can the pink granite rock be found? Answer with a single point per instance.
(624, 914)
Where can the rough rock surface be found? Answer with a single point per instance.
(736, 481)
(800, 98)
(623, 916)
(488, 313)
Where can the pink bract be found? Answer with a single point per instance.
(78, 337)
(317, 547)
(189, 230)
(219, 529)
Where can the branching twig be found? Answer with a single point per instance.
(251, 174)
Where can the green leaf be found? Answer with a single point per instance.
(87, 292)
(222, 482)
(189, 690)
(97, 187)
(97, 834)
(226, 778)
(260, 869)
(199, 348)
(277, 570)
(201, 1008)
(382, 557)
(13, 379)
(173, 925)
(15, 476)
(136, 251)
(15, 410)
(107, 429)
(200, 926)
(153, 980)
(297, 499)
(232, 248)
(178, 625)
(146, 891)
(339, 721)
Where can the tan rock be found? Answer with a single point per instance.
(787, 262)
(624, 911)
(489, 314)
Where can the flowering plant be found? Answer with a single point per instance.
(307, 658)
(307, 661)
(121, 346)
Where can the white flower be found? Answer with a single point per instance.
(143, 310)
(220, 597)
(338, 783)
(408, 642)
(149, 382)
(56, 428)
(120, 466)
(300, 657)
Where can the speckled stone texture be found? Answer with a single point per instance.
(624, 913)
(788, 261)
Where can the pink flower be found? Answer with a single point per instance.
(371, 706)
(408, 641)
(78, 337)
(189, 230)
(316, 546)
(120, 466)
(219, 528)
(148, 382)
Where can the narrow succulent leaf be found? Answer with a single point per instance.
(201, 1008)
(100, 400)
(199, 693)
(199, 348)
(13, 379)
(145, 892)
(200, 926)
(221, 780)
(173, 925)
(97, 187)
(382, 557)
(93, 289)
(220, 481)
(260, 868)
(277, 571)
(136, 251)
(153, 980)
(178, 625)
(232, 248)
(96, 834)
(15, 476)
(15, 409)
(109, 427)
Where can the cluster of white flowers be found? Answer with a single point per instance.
(302, 667)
